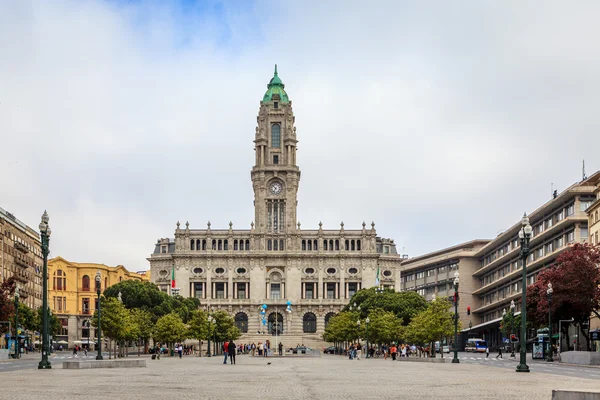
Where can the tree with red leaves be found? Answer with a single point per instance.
(7, 303)
(575, 279)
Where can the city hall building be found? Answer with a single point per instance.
(275, 260)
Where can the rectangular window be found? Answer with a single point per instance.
(220, 290)
(584, 233)
(275, 159)
(275, 291)
(275, 104)
(164, 249)
(409, 278)
(540, 252)
(386, 249)
(548, 223)
(570, 237)
(560, 216)
(352, 288)
(583, 205)
(331, 290)
(421, 292)
(198, 290)
(241, 290)
(85, 306)
(309, 288)
(430, 272)
(441, 269)
(549, 248)
(570, 210)
(420, 275)
(559, 242)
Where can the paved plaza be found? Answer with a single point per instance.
(326, 377)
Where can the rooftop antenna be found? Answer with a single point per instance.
(583, 171)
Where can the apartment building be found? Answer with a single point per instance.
(21, 258)
(593, 213)
(433, 273)
(560, 222)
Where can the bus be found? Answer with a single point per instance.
(476, 346)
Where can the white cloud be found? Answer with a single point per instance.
(440, 123)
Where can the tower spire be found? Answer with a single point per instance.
(275, 70)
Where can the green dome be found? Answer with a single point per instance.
(275, 87)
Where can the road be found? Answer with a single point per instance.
(31, 361)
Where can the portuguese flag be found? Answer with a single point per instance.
(173, 278)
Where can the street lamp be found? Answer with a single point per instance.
(45, 232)
(512, 325)
(367, 324)
(358, 330)
(16, 322)
(98, 283)
(524, 236)
(210, 320)
(380, 288)
(549, 293)
(455, 360)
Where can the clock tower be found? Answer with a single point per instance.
(275, 175)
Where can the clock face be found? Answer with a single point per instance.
(276, 187)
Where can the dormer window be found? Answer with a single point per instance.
(275, 105)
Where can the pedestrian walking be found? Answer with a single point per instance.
(225, 351)
(487, 352)
(394, 351)
(232, 352)
(253, 349)
(358, 351)
(499, 352)
(280, 349)
(180, 350)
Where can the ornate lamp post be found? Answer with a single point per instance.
(16, 322)
(98, 287)
(512, 325)
(549, 293)
(455, 360)
(367, 325)
(45, 232)
(524, 236)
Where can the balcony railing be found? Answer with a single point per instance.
(21, 262)
(21, 247)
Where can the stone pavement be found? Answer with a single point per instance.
(326, 377)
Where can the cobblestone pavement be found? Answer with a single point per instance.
(326, 377)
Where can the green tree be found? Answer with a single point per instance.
(170, 329)
(27, 317)
(510, 324)
(432, 324)
(342, 327)
(145, 326)
(114, 318)
(7, 304)
(384, 327)
(405, 305)
(53, 322)
(198, 327)
(224, 328)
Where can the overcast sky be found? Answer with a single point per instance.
(440, 121)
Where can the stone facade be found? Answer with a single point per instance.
(21, 258)
(275, 260)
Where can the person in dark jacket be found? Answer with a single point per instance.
(232, 352)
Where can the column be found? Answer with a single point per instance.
(346, 290)
(268, 290)
(208, 285)
(303, 290)
(335, 288)
(235, 286)
(342, 285)
(230, 285)
(247, 290)
(282, 293)
(321, 288)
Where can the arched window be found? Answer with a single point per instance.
(85, 283)
(358, 245)
(247, 244)
(273, 326)
(225, 244)
(309, 323)
(192, 244)
(331, 245)
(324, 244)
(235, 244)
(59, 280)
(275, 244)
(269, 245)
(203, 244)
(281, 244)
(276, 136)
(337, 244)
(352, 245)
(198, 244)
(316, 245)
(304, 245)
(328, 317)
(241, 322)
(220, 245)
(309, 245)
(347, 245)
(214, 244)
(120, 279)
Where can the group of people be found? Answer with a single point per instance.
(354, 351)
(229, 349)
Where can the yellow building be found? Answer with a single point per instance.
(72, 295)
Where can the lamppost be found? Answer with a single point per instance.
(87, 326)
(524, 236)
(16, 322)
(512, 325)
(358, 330)
(98, 283)
(367, 325)
(45, 232)
(455, 360)
(549, 293)
(211, 321)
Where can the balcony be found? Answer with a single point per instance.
(21, 247)
(86, 311)
(21, 262)
(21, 277)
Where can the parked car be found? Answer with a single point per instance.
(445, 348)
(301, 350)
(329, 350)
